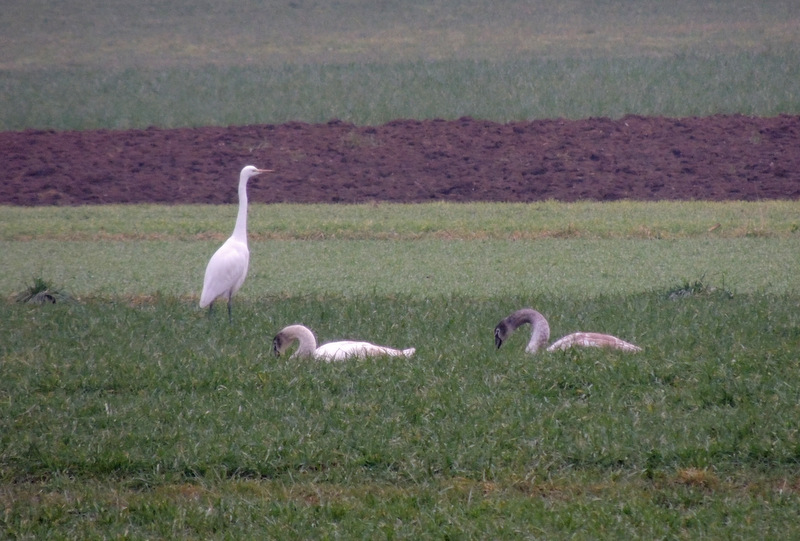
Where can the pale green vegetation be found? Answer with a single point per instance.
(512, 221)
(490, 249)
(486, 268)
(88, 65)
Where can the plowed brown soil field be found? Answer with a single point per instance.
(639, 158)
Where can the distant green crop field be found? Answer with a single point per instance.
(88, 66)
(248, 33)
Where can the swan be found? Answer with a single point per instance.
(227, 268)
(540, 334)
(332, 351)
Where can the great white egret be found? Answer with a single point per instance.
(540, 334)
(227, 268)
(332, 351)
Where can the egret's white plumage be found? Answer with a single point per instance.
(332, 351)
(227, 268)
(540, 334)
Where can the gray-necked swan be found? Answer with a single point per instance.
(332, 351)
(540, 334)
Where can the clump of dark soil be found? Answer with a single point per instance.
(638, 158)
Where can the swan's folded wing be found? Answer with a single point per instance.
(592, 339)
(337, 351)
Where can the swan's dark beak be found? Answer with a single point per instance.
(497, 340)
(275, 349)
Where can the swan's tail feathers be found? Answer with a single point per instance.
(391, 352)
(593, 339)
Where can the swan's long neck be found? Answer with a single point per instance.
(540, 329)
(240, 230)
(307, 343)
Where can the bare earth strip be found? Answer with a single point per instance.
(599, 159)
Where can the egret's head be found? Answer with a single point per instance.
(251, 171)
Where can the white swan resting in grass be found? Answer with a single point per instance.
(540, 334)
(332, 351)
(227, 268)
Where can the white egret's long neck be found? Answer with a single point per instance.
(240, 230)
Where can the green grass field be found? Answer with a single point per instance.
(126, 412)
(150, 420)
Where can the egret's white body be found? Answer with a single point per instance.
(227, 268)
(332, 351)
(540, 334)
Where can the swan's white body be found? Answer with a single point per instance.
(540, 334)
(332, 351)
(227, 268)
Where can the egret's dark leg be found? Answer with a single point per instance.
(230, 303)
(211, 310)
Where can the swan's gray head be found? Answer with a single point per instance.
(540, 330)
(501, 332)
(288, 335)
(280, 343)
